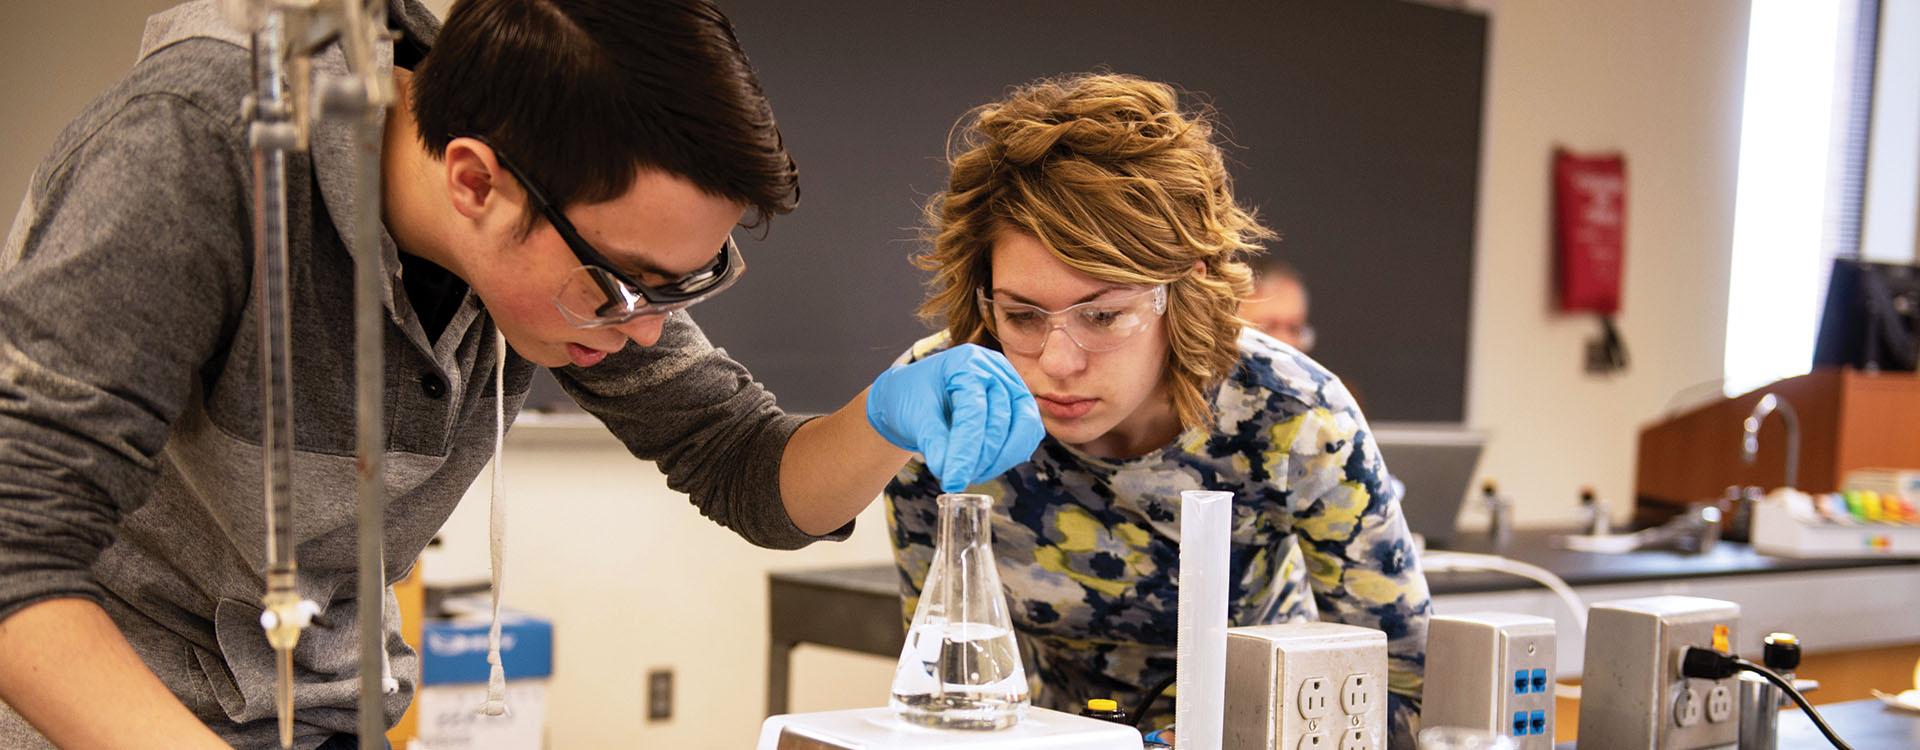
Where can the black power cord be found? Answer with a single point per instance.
(1708, 664)
(1146, 701)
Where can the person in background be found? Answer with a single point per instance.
(1089, 231)
(1278, 305)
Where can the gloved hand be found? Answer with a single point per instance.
(964, 409)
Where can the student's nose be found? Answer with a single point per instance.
(644, 330)
(1060, 357)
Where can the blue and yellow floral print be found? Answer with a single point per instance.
(1088, 548)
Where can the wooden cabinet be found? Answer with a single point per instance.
(1848, 420)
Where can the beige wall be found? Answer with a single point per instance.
(55, 55)
(1661, 82)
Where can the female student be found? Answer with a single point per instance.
(1089, 232)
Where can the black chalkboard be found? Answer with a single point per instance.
(1355, 127)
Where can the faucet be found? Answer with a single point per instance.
(1499, 517)
(1750, 442)
(1599, 523)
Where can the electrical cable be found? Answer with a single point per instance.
(1819, 722)
(1708, 664)
(1146, 701)
(1498, 564)
(1613, 350)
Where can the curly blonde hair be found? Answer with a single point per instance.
(1109, 174)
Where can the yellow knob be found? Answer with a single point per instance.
(1102, 704)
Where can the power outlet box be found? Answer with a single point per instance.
(1494, 672)
(1632, 693)
(1306, 686)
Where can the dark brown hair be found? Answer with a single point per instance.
(583, 94)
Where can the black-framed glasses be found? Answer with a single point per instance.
(598, 294)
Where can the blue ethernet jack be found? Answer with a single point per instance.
(1489, 672)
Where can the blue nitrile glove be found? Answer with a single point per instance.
(964, 409)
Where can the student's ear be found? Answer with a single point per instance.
(475, 179)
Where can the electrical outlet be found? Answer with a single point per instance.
(1283, 682)
(1493, 672)
(1356, 694)
(1720, 703)
(1686, 708)
(1315, 697)
(1633, 694)
(660, 695)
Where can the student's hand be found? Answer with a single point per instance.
(964, 409)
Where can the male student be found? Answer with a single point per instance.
(563, 172)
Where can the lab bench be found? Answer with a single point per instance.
(1865, 724)
(1832, 604)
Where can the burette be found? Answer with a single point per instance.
(286, 97)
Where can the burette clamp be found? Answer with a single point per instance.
(284, 616)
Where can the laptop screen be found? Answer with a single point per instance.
(1436, 466)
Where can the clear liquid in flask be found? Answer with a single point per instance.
(960, 667)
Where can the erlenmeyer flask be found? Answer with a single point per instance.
(960, 668)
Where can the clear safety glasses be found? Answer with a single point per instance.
(1097, 326)
(597, 294)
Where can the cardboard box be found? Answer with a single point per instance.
(453, 684)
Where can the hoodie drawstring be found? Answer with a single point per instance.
(496, 704)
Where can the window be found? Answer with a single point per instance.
(1801, 172)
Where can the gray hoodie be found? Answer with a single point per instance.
(129, 395)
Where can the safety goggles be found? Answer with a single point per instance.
(598, 294)
(1096, 326)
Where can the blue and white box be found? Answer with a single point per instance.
(453, 682)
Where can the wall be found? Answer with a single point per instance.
(1661, 82)
(54, 57)
(1322, 162)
